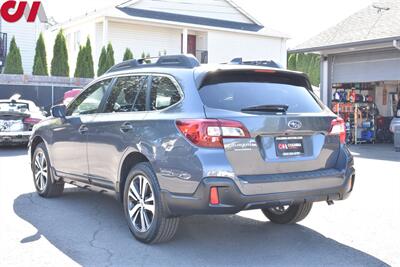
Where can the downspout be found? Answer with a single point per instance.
(396, 44)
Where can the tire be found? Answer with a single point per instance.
(292, 214)
(44, 183)
(146, 203)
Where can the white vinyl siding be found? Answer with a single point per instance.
(143, 38)
(26, 35)
(225, 46)
(214, 9)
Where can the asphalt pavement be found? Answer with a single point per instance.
(89, 229)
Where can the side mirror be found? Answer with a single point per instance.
(59, 111)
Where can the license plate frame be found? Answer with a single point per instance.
(289, 146)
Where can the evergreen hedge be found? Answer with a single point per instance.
(40, 60)
(128, 55)
(13, 60)
(59, 63)
(84, 63)
(307, 63)
(102, 62)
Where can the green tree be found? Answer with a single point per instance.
(13, 60)
(307, 63)
(102, 62)
(110, 61)
(292, 62)
(128, 54)
(89, 68)
(40, 61)
(59, 63)
(80, 63)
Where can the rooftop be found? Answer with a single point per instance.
(378, 21)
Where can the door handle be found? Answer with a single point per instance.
(126, 127)
(83, 129)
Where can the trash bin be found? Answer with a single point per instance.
(397, 138)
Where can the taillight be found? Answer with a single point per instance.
(31, 121)
(338, 127)
(214, 197)
(211, 132)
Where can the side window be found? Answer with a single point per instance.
(88, 101)
(163, 93)
(128, 94)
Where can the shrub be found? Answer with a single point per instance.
(128, 55)
(59, 63)
(40, 61)
(13, 60)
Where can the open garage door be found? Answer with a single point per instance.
(366, 67)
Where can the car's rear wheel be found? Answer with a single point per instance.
(45, 185)
(143, 208)
(288, 214)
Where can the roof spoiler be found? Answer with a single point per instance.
(171, 61)
(264, 63)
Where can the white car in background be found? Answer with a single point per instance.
(17, 118)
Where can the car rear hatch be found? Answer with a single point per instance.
(12, 117)
(289, 128)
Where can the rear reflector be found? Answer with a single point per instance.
(214, 198)
(211, 132)
(338, 127)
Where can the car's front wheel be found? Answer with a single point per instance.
(143, 208)
(45, 185)
(288, 214)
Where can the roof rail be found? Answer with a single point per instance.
(170, 61)
(264, 63)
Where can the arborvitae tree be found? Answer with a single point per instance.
(143, 56)
(13, 60)
(40, 61)
(110, 61)
(89, 68)
(59, 63)
(80, 63)
(128, 54)
(102, 62)
(292, 62)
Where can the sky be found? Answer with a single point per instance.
(300, 19)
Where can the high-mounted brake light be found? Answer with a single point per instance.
(32, 121)
(338, 127)
(265, 71)
(211, 132)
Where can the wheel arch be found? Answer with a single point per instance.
(35, 142)
(131, 159)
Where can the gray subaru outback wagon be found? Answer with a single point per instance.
(175, 138)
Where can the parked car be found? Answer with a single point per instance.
(174, 138)
(17, 118)
(70, 95)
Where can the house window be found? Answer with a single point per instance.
(77, 40)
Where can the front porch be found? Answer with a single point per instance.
(195, 43)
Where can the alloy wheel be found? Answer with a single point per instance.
(41, 171)
(141, 204)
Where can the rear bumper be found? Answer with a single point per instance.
(232, 200)
(9, 138)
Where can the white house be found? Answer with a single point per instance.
(26, 35)
(212, 30)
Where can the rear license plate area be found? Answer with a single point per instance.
(287, 146)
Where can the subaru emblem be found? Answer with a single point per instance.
(295, 125)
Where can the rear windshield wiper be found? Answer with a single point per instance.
(267, 108)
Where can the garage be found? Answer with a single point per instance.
(360, 71)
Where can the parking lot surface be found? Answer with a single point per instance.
(86, 228)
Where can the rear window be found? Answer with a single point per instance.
(237, 90)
